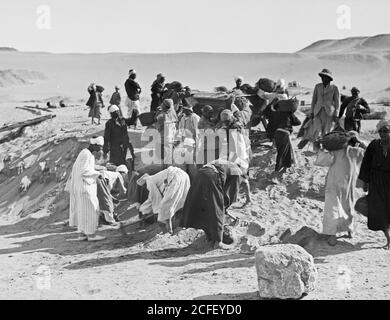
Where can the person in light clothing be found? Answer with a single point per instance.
(167, 194)
(81, 185)
(324, 108)
(340, 189)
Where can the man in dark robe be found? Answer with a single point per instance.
(116, 138)
(208, 199)
(375, 173)
(157, 92)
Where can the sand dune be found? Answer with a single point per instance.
(19, 77)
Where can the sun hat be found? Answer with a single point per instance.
(326, 73)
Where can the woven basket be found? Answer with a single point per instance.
(147, 119)
(266, 85)
(290, 105)
(335, 140)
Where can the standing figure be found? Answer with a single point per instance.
(116, 100)
(324, 108)
(116, 138)
(375, 173)
(209, 197)
(96, 112)
(279, 129)
(157, 92)
(188, 137)
(340, 189)
(354, 108)
(133, 91)
(166, 127)
(81, 185)
(92, 100)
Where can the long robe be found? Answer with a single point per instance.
(375, 171)
(167, 193)
(214, 190)
(84, 204)
(339, 192)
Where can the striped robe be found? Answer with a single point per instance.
(84, 204)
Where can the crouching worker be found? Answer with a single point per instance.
(167, 193)
(81, 185)
(212, 193)
(110, 186)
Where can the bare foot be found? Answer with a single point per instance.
(221, 245)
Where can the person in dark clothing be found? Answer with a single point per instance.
(98, 103)
(157, 92)
(279, 128)
(354, 108)
(116, 99)
(116, 138)
(133, 91)
(209, 197)
(375, 173)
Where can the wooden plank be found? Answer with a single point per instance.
(39, 108)
(26, 123)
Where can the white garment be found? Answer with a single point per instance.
(130, 106)
(271, 96)
(339, 191)
(167, 193)
(112, 177)
(84, 204)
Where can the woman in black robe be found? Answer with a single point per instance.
(375, 173)
(214, 190)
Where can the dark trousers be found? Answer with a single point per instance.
(352, 125)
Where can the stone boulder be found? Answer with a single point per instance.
(284, 271)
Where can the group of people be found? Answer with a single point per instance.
(199, 193)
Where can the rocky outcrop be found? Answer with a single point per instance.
(284, 271)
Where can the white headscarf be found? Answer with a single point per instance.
(122, 168)
(382, 123)
(113, 108)
(98, 141)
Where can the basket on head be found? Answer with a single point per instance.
(266, 85)
(147, 118)
(290, 105)
(335, 140)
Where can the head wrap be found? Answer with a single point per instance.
(131, 72)
(168, 104)
(122, 168)
(226, 115)
(239, 78)
(281, 83)
(382, 123)
(354, 89)
(160, 75)
(113, 108)
(97, 140)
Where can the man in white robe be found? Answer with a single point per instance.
(84, 204)
(167, 193)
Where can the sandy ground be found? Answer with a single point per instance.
(39, 258)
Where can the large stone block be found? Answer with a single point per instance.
(284, 271)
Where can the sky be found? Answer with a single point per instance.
(157, 26)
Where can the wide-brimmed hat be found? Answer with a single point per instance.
(326, 73)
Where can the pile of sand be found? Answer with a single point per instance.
(10, 78)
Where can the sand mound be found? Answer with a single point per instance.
(375, 43)
(32, 181)
(10, 78)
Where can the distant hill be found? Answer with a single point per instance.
(7, 49)
(376, 43)
(10, 78)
